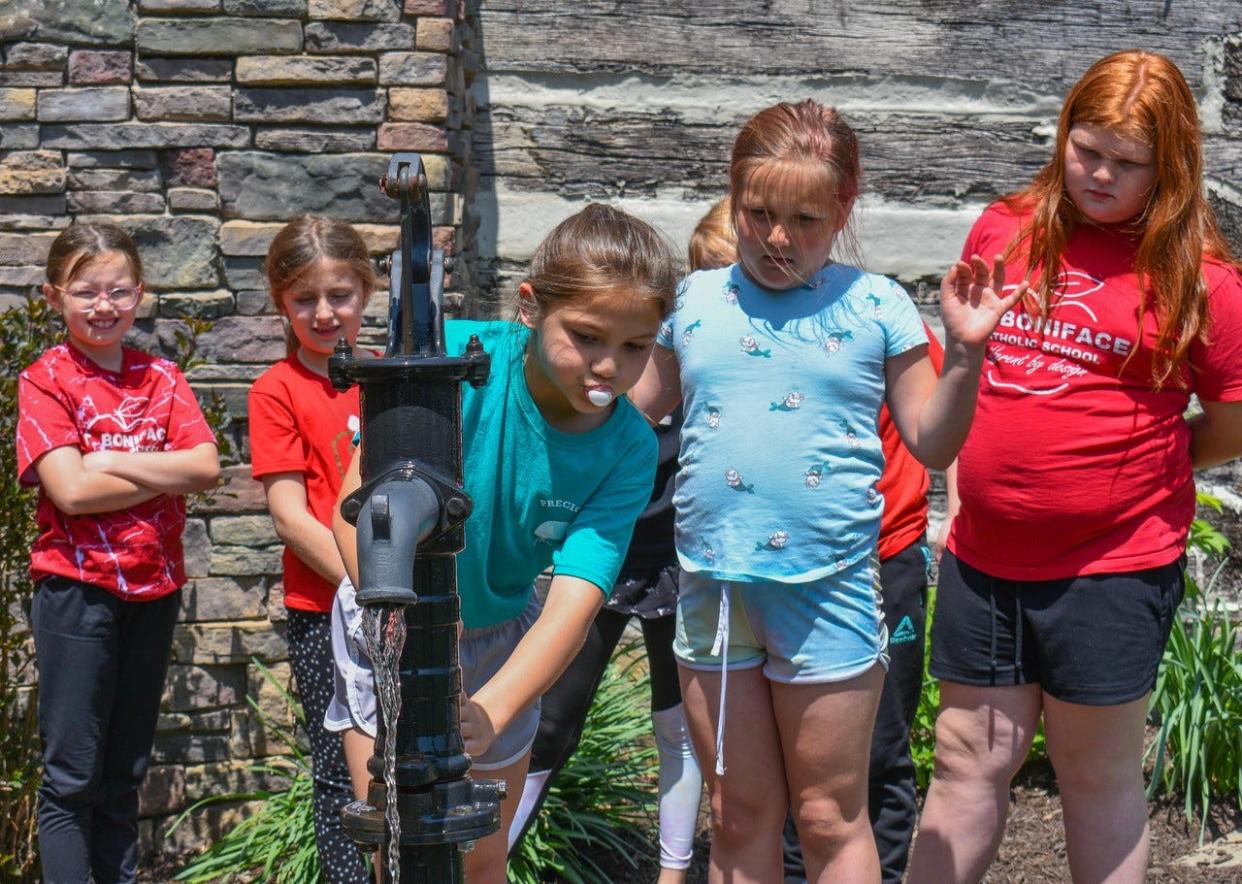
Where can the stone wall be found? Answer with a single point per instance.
(955, 102)
(201, 126)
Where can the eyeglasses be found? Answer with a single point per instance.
(121, 298)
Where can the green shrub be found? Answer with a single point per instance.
(604, 795)
(277, 842)
(25, 332)
(1197, 703)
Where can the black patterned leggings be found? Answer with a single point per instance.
(310, 653)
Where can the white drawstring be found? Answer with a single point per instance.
(721, 648)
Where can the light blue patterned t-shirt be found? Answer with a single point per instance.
(779, 451)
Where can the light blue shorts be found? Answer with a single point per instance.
(825, 630)
(481, 653)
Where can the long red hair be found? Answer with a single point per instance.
(1144, 96)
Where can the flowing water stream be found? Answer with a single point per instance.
(383, 627)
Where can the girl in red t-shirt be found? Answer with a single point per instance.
(1064, 566)
(114, 439)
(301, 432)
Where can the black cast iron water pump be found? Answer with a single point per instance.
(410, 511)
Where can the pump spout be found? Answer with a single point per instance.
(396, 517)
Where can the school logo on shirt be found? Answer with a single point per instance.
(903, 633)
(553, 530)
(1040, 355)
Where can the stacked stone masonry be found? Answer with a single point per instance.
(201, 126)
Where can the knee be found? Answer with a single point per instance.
(746, 815)
(825, 826)
(969, 753)
(70, 789)
(1081, 770)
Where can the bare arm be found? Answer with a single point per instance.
(659, 389)
(346, 534)
(952, 505)
(933, 416)
(1216, 434)
(166, 472)
(77, 491)
(311, 540)
(538, 660)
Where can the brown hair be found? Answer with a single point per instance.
(714, 241)
(602, 250)
(1143, 96)
(799, 151)
(301, 244)
(79, 244)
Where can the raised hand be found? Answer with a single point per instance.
(971, 300)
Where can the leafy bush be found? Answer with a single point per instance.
(1197, 703)
(277, 842)
(604, 794)
(25, 332)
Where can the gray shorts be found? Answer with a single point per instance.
(482, 652)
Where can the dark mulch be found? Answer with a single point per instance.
(1033, 851)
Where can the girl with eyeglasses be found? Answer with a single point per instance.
(114, 439)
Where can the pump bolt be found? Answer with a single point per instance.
(456, 507)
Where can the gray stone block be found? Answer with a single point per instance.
(46, 204)
(99, 22)
(177, 252)
(111, 159)
(198, 305)
(355, 10)
(25, 248)
(244, 339)
(46, 56)
(253, 302)
(22, 277)
(18, 136)
(347, 37)
(190, 6)
(192, 199)
(115, 202)
(265, 7)
(137, 180)
(223, 598)
(121, 136)
(245, 530)
(32, 79)
(342, 106)
(32, 172)
(264, 186)
(88, 103)
(203, 687)
(228, 642)
(247, 237)
(314, 140)
(184, 70)
(218, 36)
(243, 272)
(32, 222)
(185, 103)
(283, 70)
(243, 374)
(412, 68)
(196, 546)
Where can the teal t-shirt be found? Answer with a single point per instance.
(541, 497)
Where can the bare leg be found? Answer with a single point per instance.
(487, 862)
(982, 737)
(1097, 752)
(826, 734)
(748, 803)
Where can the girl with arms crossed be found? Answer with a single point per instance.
(114, 439)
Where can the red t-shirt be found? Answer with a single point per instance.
(64, 398)
(300, 424)
(904, 480)
(1076, 464)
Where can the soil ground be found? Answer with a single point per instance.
(1033, 851)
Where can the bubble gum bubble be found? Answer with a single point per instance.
(600, 397)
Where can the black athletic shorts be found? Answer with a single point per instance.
(1096, 640)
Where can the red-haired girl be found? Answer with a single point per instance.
(1064, 566)
(782, 361)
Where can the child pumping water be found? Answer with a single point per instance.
(559, 465)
